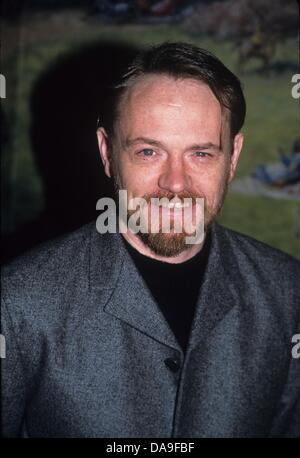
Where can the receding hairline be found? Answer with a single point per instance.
(180, 61)
(139, 79)
(136, 79)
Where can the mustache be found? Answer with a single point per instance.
(171, 195)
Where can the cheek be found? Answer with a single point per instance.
(210, 183)
(136, 183)
(138, 179)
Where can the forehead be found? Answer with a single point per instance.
(159, 101)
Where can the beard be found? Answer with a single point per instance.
(172, 244)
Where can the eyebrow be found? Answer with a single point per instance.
(149, 141)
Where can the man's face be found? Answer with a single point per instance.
(172, 142)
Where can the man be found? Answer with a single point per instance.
(140, 334)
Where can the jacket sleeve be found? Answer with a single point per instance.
(13, 384)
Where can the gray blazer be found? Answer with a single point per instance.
(89, 353)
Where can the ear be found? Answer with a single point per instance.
(235, 154)
(103, 149)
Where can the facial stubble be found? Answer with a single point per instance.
(171, 244)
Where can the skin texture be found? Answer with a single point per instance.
(172, 139)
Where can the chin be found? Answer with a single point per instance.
(168, 245)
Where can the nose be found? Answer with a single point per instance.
(174, 177)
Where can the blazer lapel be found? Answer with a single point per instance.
(130, 300)
(218, 293)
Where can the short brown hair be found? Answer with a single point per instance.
(182, 60)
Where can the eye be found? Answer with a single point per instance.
(202, 154)
(147, 152)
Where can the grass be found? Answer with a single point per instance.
(272, 123)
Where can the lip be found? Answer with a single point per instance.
(173, 210)
(175, 204)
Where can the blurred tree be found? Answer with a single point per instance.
(240, 19)
(254, 26)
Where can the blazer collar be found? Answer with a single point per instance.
(112, 268)
(220, 290)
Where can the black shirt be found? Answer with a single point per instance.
(175, 287)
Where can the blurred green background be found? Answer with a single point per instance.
(272, 122)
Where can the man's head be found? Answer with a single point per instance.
(174, 131)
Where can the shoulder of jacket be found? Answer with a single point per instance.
(49, 266)
(46, 253)
(258, 252)
(50, 284)
(268, 277)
